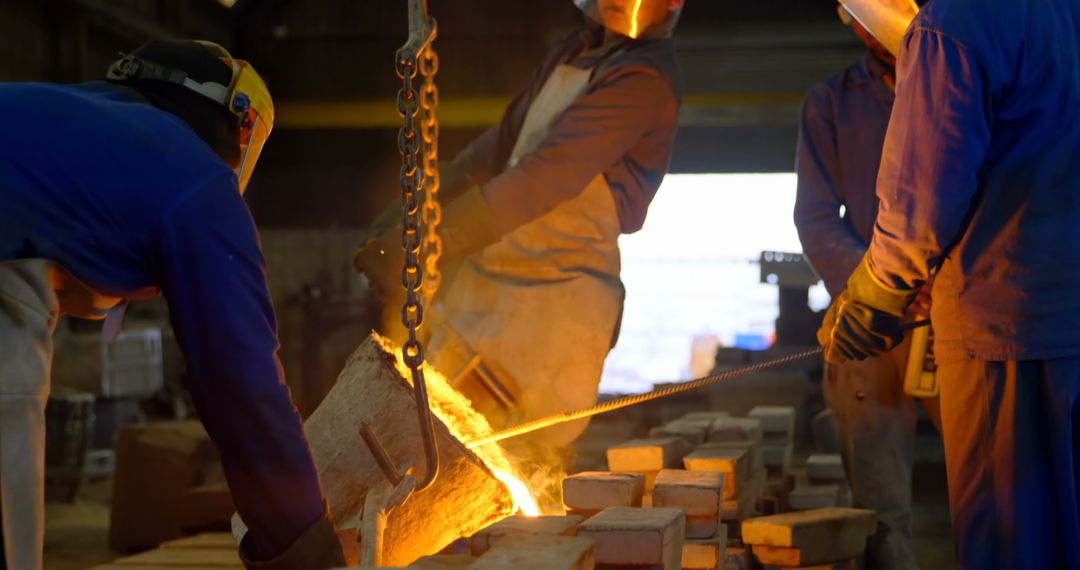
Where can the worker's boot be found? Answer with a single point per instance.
(316, 548)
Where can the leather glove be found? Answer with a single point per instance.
(316, 548)
(865, 320)
(467, 226)
(381, 260)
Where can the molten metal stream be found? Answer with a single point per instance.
(455, 411)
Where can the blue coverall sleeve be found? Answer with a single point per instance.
(934, 149)
(829, 242)
(589, 137)
(213, 278)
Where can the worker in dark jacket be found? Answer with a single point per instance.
(115, 190)
(840, 138)
(979, 181)
(534, 208)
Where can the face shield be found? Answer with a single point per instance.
(248, 99)
(633, 18)
(886, 20)
(245, 96)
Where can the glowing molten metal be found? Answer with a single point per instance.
(465, 424)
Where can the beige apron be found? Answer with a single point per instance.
(541, 305)
(27, 321)
(33, 294)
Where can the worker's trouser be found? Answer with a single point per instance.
(875, 423)
(1011, 446)
(27, 317)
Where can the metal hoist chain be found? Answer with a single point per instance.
(421, 33)
(412, 181)
(431, 214)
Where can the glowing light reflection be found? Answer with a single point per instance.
(456, 412)
(634, 31)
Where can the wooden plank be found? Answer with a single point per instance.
(213, 540)
(171, 557)
(539, 552)
(115, 566)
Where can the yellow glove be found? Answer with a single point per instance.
(865, 320)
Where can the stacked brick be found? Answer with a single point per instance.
(647, 457)
(778, 435)
(590, 492)
(637, 538)
(688, 497)
(824, 484)
(721, 481)
(818, 538)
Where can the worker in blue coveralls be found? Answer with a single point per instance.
(115, 190)
(841, 133)
(978, 180)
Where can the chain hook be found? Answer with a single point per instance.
(418, 170)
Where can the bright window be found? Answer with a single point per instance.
(691, 275)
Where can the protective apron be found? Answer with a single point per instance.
(541, 305)
(33, 294)
(26, 349)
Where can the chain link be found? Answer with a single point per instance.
(431, 214)
(412, 182)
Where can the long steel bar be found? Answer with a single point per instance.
(627, 401)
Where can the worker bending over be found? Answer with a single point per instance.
(116, 190)
(840, 137)
(979, 180)
(535, 208)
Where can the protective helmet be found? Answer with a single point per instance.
(633, 18)
(886, 20)
(237, 88)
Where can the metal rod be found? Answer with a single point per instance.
(392, 473)
(627, 401)
(492, 384)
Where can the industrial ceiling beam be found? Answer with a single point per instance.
(699, 110)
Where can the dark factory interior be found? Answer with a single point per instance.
(430, 341)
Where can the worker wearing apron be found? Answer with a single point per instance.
(540, 203)
(114, 190)
(841, 133)
(978, 181)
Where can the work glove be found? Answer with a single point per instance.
(316, 548)
(865, 320)
(467, 226)
(381, 260)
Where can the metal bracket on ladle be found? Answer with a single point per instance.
(422, 31)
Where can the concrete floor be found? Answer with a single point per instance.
(931, 528)
(77, 533)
